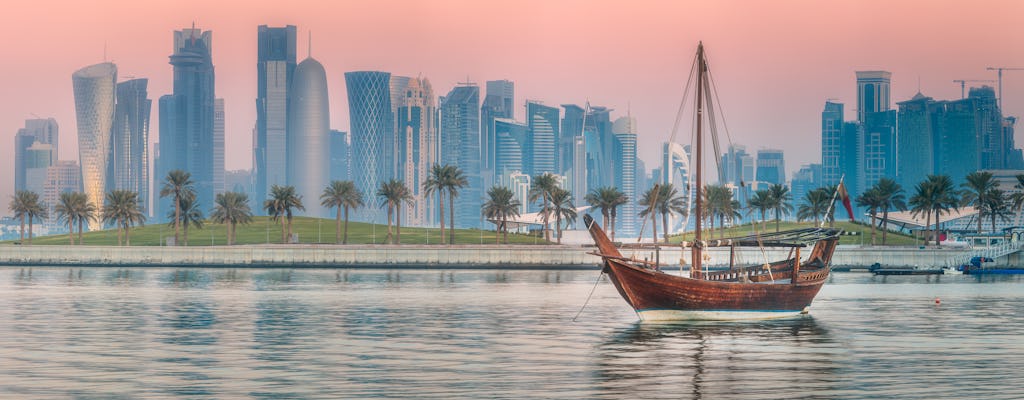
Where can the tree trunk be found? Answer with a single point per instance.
(289, 228)
(440, 207)
(938, 217)
(389, 238)
(558, 226)
(497, 230)
(71, 230)
(337, 227)
(344, 239)
(664, 226)
(885, 223)
(127, 237)
(654, 227)
(547, 226)
(119, 241)
(185, 236)
(284, 232)
(776, 221)
(504, 226)
(398, 223)
(30, 229)
(22, 230)
(80, 232)
(612, 225)
(872, 228)
(604, 221)
(177, 220)
(451, 216)
(979, 214)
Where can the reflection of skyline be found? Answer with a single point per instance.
(716, 360)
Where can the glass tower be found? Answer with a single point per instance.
(460, 146)
(94, 88)
(369, 104)
(309, 135)
(416, 146)
(187, 138)
(544, 139)
(35, 131)
(128, 164)
(275, 66)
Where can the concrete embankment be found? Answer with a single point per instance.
(419, 256)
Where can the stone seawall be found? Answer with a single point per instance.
(419, 256)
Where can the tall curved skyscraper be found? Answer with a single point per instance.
(308, 135)
(369, 105)
(94, 87)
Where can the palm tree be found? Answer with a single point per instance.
(231, 209)
(871, 199)
(607, 199)
(975, 192)
(393, 194)
(65, 209)
(921, 203)
(85, 212)
(719, 203)
(122, 209)
(760, 202)
(649, 202)
(781, 202)
(893, 198)
(25, 203)
(281, 203)
(189, 214)
(341, 195)
(945, 199)
(435, 184)
(541, 188)
(670, 202)
(815, 205)
(560, 205)
(446, 179)
(500, 206)
(177, 184)
(997, 206)
(1017, 198)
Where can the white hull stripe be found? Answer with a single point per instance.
(715, 315)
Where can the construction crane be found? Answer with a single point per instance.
(1000, 70)
(962, 83)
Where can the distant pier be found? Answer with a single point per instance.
(434, 256)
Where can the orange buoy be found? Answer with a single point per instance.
(937, 300)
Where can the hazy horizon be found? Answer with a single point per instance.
(775, 63)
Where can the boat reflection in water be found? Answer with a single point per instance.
(756, 359)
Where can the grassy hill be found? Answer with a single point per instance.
(862, 233)
(263, 230)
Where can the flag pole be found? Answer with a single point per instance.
(831, 204)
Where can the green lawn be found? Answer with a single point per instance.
(262, 230)
(862, 236)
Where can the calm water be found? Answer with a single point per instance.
(218, 333)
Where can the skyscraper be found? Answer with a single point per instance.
(341, 153)
(878, 146)
(572, 150)
(369, 104)
(771, 167)
(128, 162)
(62, 177)
(510, 138)
(94, 88)
(916, 140)
(806, 179)
(218, 145)
(309, 135)
(625, 172)
(35, 131)
(831, 132)
(600, 147)
(187, 138)
(543, 140)
(275, 67)
(872, 92)
(416, 146)
(499, 103)
(460, 146)
(738, 167)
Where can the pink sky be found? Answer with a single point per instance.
(775, 62)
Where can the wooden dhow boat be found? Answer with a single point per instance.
(770, 290)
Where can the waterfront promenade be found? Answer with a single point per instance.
(431, 256)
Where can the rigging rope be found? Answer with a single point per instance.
(589, 295)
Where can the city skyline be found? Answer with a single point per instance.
(650, 89)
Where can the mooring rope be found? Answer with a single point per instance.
(589, 295)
